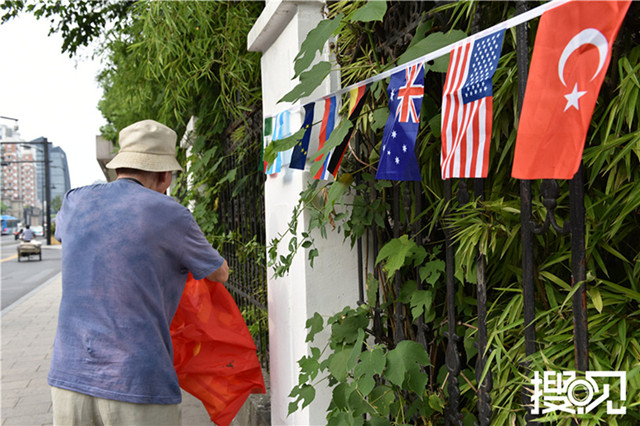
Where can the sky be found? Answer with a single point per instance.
(50, 94)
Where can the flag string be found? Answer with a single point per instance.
(509, 23)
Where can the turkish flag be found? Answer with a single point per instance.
(570, 58)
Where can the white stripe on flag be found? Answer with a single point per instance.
(482, 138)
(463, 125)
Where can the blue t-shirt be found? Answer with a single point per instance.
(127, 251)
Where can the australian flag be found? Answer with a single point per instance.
(397, 155)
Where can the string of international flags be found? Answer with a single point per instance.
(571, 53)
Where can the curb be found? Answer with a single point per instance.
(28, 295)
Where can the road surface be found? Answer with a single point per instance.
(19, 278)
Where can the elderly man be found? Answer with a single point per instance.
(127, 251)
(28, 234)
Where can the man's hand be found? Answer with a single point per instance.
(221, 274)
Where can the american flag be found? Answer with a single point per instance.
(467, 108)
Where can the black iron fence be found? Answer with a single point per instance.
(459, 192)
(241, 212)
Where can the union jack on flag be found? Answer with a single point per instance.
(411, 91)
(467, 108)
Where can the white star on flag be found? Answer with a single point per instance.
(572, 98)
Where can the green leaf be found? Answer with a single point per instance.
(338, 364)
(432, 271)
(366, 384)
(435, 125)
(381, 398)
(314, 42)
(336, 191)
(271, 151)
(337, 136)
(315, 325)
(309, 365)
(309, 81)
(304, 393)
(596, 298)
(373, 10)
(380, 117)
(421, 302)
(404, 362)
(342, 418)
(430, 44)
(358, 404)
(436, 403)
(379, 421)
(371, 362)
(341, 395)
(407, 290)
(357, 350)
(372, 289)
(347, 329)
(395, 253)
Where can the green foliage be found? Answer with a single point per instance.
(378, 378)
(398, 251)
(367, 379)
(79, 23)
(315, 41)
(56, 203)
(180, 59)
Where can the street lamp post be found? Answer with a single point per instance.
(47, 190)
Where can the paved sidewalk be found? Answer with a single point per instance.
(28, 330)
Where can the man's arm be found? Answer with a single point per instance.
(221, 274)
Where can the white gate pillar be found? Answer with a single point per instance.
(332, 283)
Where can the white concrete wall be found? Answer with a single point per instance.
(332, 283)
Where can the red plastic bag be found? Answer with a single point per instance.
(213, 351)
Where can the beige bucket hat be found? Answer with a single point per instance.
(147, 145)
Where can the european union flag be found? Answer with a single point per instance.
(397, 156)
(299, 156)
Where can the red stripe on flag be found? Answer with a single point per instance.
(465, 127)
(355, 106)
(323, 133)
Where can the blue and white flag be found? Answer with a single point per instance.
(397, 156)
(282, 129)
